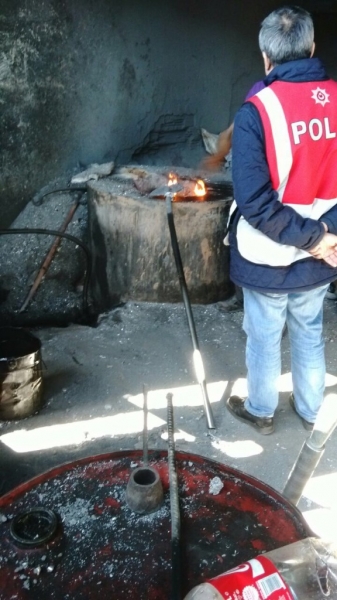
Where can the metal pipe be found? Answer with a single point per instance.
(197, 359)
(73, 239)
(174, 503)
(145, 432)
(312, 450)
(49, 258)
(144, 492)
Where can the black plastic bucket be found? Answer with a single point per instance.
(20, 374)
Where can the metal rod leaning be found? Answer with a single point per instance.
(73, 239)
(49, 257)
(312, 450)
(197, 359)
(174, 503)
(145, 430)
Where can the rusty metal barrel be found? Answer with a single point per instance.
(102, 549)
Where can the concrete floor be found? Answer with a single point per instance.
(93, 383)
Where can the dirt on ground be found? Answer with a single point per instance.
(93, 397)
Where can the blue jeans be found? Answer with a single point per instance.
(264, 319)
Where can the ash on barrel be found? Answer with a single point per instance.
(111, 552)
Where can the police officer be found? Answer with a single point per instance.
(283, 237)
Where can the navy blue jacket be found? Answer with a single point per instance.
(259, 204)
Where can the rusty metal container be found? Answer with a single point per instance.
(20, 373)
(102, 549)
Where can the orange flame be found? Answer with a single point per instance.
(172, 179)
(199, 189)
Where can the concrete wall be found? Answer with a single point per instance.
(84, 81)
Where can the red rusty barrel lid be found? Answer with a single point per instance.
(104, 550)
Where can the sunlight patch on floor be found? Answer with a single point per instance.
(285, 382)
(179, 435)
(69, 434)
(323, 522)
(322, 491)
(239, 449)
(187, 395)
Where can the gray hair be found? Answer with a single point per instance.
(287, 34)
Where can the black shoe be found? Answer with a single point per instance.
(230, 306)
(264, 425)
(306, 424)
(331, 292)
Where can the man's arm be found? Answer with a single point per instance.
(214, 162)
(253, 192)
(330, 219)
(326, 249)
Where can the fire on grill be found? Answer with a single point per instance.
(130, 241)
(194, 187)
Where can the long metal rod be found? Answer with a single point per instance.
(145, 432)
(197, 359)
(73, 239)
(49, 257)
(174, 502)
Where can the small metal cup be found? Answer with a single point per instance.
(144, 491)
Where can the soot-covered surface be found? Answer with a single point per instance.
(131, 246)
(104, 550)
